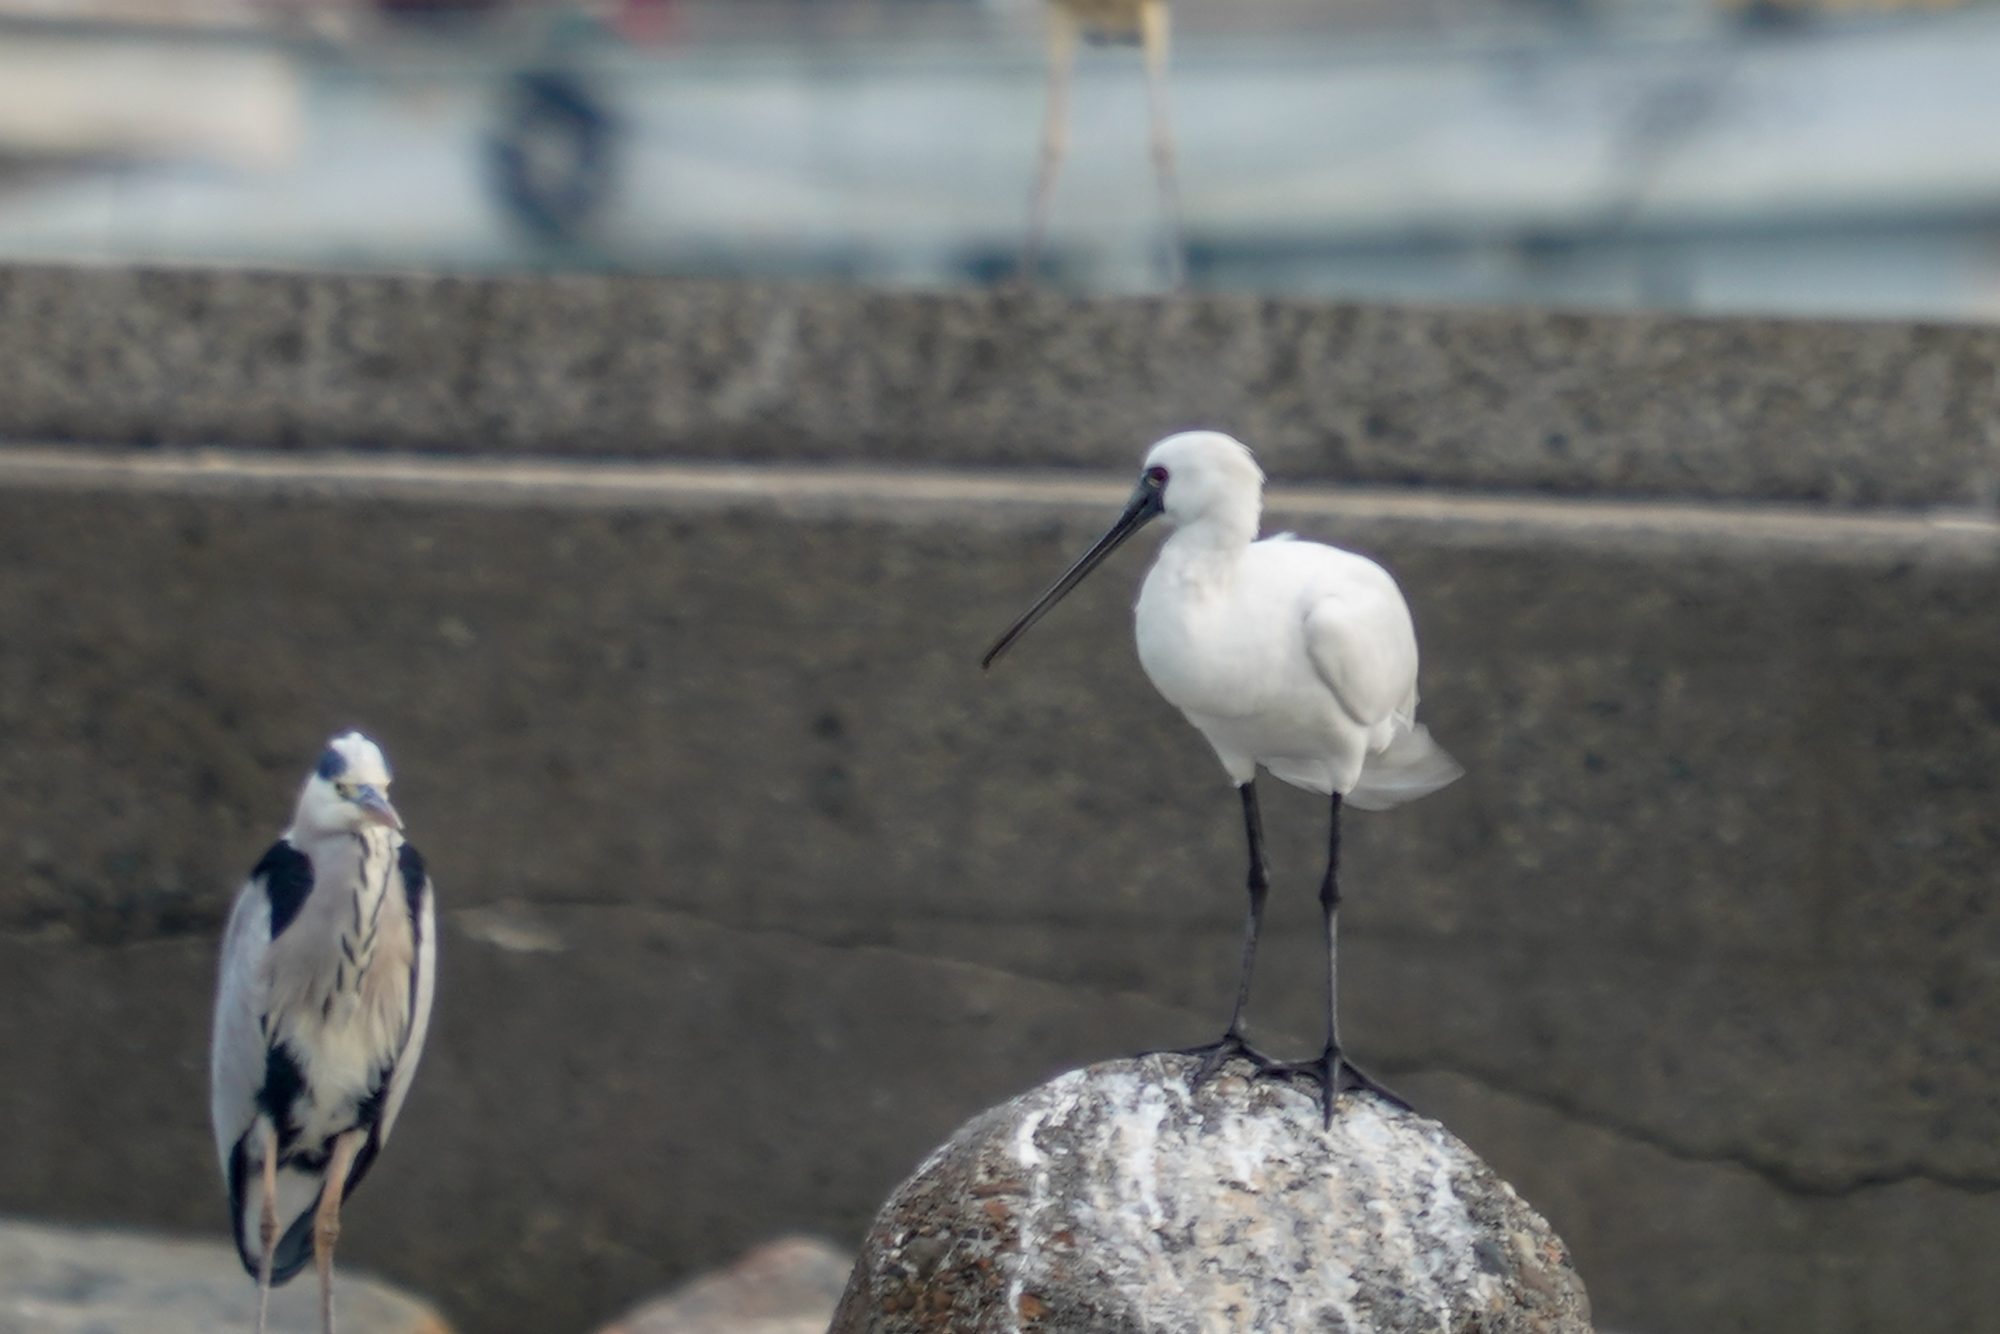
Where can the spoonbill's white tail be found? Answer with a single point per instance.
(1413, 766)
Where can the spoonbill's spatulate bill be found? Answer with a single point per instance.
(328, 966)
(1291, 655)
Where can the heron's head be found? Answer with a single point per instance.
(1205, 474)
(348, 789)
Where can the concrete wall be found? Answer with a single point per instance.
(756, 886)
(1745, 409)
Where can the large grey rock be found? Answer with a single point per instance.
(62, 1280)
(1118, 1199)
(788, 1286)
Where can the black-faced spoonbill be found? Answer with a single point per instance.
(1292, 655)
(328, 967)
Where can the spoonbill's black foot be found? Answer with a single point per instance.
(1214, 1055)
(1335, 1075)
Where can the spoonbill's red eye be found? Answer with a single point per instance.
(1156, 475)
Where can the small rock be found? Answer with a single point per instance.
(1128, 1202)
(788, 1286)
(64, 1280)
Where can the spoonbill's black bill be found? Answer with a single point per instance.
(1294, 656)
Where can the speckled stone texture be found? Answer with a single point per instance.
(1854, 414)
(56, 1280)
(1118, 1199)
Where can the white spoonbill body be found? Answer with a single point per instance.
(329, 963)
(1294, 656)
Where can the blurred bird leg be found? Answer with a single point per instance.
(326, 1220)
(267, 1230)
(1064, 35)
(1154, 35)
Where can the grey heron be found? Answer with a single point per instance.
(329, 964)
(1294, 656)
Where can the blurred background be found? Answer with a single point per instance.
(1811, 156)
(627, 414)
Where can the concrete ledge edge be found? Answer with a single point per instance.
(931, 494)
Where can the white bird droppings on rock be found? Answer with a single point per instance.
(1117, 1199)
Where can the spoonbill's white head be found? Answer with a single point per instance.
(1205, 474)
(347, 790)
(1196, 477)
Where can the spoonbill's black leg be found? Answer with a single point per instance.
(1334, 1073)
(1232, 1042)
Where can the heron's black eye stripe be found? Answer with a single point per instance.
(1156, 475)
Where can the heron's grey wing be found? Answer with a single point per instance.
(241, 1064)
(237, 1050)
(1359, 637)
(420, 893)
(419, 901)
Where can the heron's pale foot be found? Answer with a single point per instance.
(1335, 1075)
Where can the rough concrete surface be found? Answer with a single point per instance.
(788, 1286)
(626, 367)
(1118, 1198)
(58, 1280)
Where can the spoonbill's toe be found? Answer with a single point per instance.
(1231, 1046)
(1335, 1075)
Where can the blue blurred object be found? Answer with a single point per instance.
(552, 157)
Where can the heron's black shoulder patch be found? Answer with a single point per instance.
(411, 863)
(287, 875)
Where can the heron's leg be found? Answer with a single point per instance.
(1333, 1071)
(267, 1229)
(1154, 32)
(326, 1219)
(1063, 37)
(1232, 1042)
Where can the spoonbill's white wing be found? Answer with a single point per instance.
(1361, 642)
